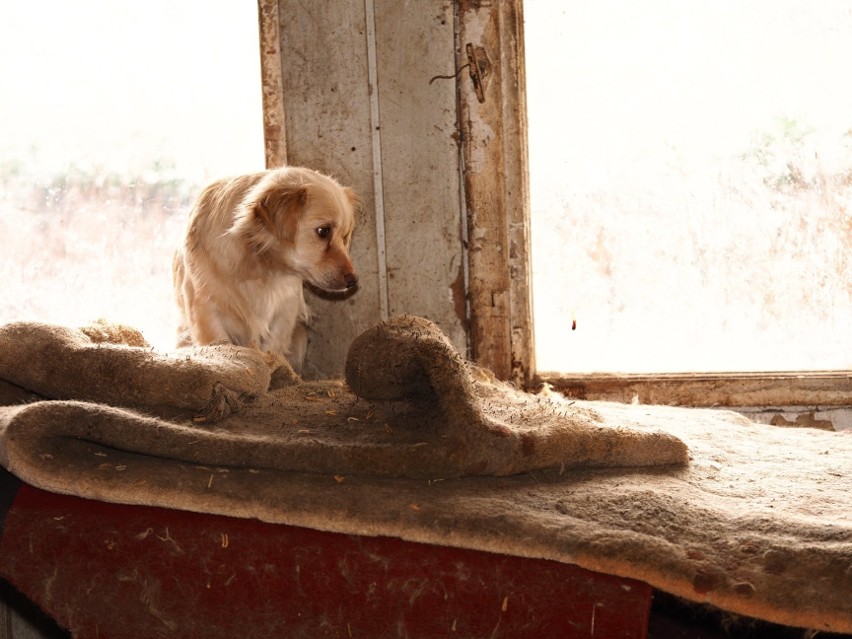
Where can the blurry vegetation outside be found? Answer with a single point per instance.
(691, 179)
(114, 115)
(691, 170)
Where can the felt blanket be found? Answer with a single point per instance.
(420, 444)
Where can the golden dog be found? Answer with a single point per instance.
(250, 243)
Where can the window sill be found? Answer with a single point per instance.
(820, 388)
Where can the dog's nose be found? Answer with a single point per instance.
(351, 280)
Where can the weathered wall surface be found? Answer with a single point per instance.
(358, 104)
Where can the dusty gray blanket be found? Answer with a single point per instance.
(420, 444)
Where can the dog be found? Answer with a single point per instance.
(250, 243)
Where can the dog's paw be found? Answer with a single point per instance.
(224, 402)
(104, 332)
(282, 373)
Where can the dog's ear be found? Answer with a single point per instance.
(282, 209)
(354, 200)
(269, 215)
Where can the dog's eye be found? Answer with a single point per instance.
(324, 232)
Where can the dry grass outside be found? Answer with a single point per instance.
(114, 126)
(725, 272)
(738, 270)
(81, 248)
(690, 169)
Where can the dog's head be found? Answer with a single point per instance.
(299, 220)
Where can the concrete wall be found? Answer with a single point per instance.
(358, 104)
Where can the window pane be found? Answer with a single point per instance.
(691, 174)
(113, 116)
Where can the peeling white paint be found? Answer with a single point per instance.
(481, 134)
(378, 185)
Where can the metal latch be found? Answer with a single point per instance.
(480, 69)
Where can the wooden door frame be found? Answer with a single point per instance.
(492, 132)
(493, 123)
(275, 141)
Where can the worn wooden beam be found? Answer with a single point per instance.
(829, 388)
(492, 109)
(273, 92)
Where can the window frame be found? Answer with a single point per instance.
(493, 163)
(501, 297)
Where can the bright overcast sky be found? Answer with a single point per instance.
(122, 84)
